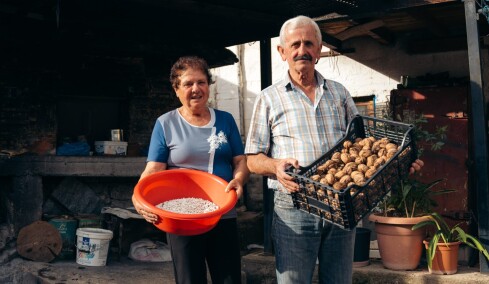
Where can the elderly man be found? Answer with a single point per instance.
(294, 122)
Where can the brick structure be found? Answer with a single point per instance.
(31, 108)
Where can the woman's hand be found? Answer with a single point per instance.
(236, 185)
(148, 216)
(151, 167)
(241, 174)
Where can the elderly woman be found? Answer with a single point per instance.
(199, 137)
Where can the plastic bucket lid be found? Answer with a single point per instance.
(95, 233)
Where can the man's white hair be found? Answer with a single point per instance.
(300, 21)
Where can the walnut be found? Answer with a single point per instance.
(391, 153)
(345, 179)
(362, 168)
(353, 152)
(339, 174)
(347, 144)
(360, 160)
(370, 173)
(338, 185)
(330, 179)
(391, 146)
(336, 157)
(315, 177)
(365, 153)
(345, 158)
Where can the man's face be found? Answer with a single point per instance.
(301, 49)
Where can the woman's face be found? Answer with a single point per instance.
(193, 90)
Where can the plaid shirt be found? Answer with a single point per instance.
(286, 124)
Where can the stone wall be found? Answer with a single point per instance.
(27, 119)
(28, 109)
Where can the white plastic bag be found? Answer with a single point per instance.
(147, 250)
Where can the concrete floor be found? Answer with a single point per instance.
(124, 271)
(257, 268)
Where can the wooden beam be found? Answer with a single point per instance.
(359, 30)
(330, 53)
(331, 41)
(372, 29)
(383, 35)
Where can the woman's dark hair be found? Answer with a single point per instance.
(186, 62)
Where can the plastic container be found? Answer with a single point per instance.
(66, 226)
(92, 246)
(89, 220)
(110, 148)
(184, 183)
(346, 207)
(361, 256)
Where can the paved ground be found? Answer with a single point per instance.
(123, 271)
(257, 268)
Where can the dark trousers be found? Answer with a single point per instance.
(219, 248)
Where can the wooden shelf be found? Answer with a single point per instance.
(100, 166)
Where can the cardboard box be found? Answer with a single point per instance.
(110, 148)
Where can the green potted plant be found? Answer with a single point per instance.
(414, 199)
(442, 247)
(400, 247)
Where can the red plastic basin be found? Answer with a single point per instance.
(184, 183)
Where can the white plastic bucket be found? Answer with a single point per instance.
(92, 246)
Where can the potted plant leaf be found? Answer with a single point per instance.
(442, 247)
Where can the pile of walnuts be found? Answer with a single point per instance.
(356, 162)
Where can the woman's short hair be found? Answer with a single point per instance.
(299, 21)
(188, 62)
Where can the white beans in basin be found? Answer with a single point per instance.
(190, 205)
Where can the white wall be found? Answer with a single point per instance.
(373, 69)
(238, 83)
(225, 92)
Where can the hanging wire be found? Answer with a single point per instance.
(333, 62)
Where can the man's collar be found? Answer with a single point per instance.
(289, 86)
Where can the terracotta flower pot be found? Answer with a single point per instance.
(445, 260)
(400, 247)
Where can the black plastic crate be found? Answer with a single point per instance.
(346, 207)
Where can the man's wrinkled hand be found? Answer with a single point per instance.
(416, 166)
(284, 179)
